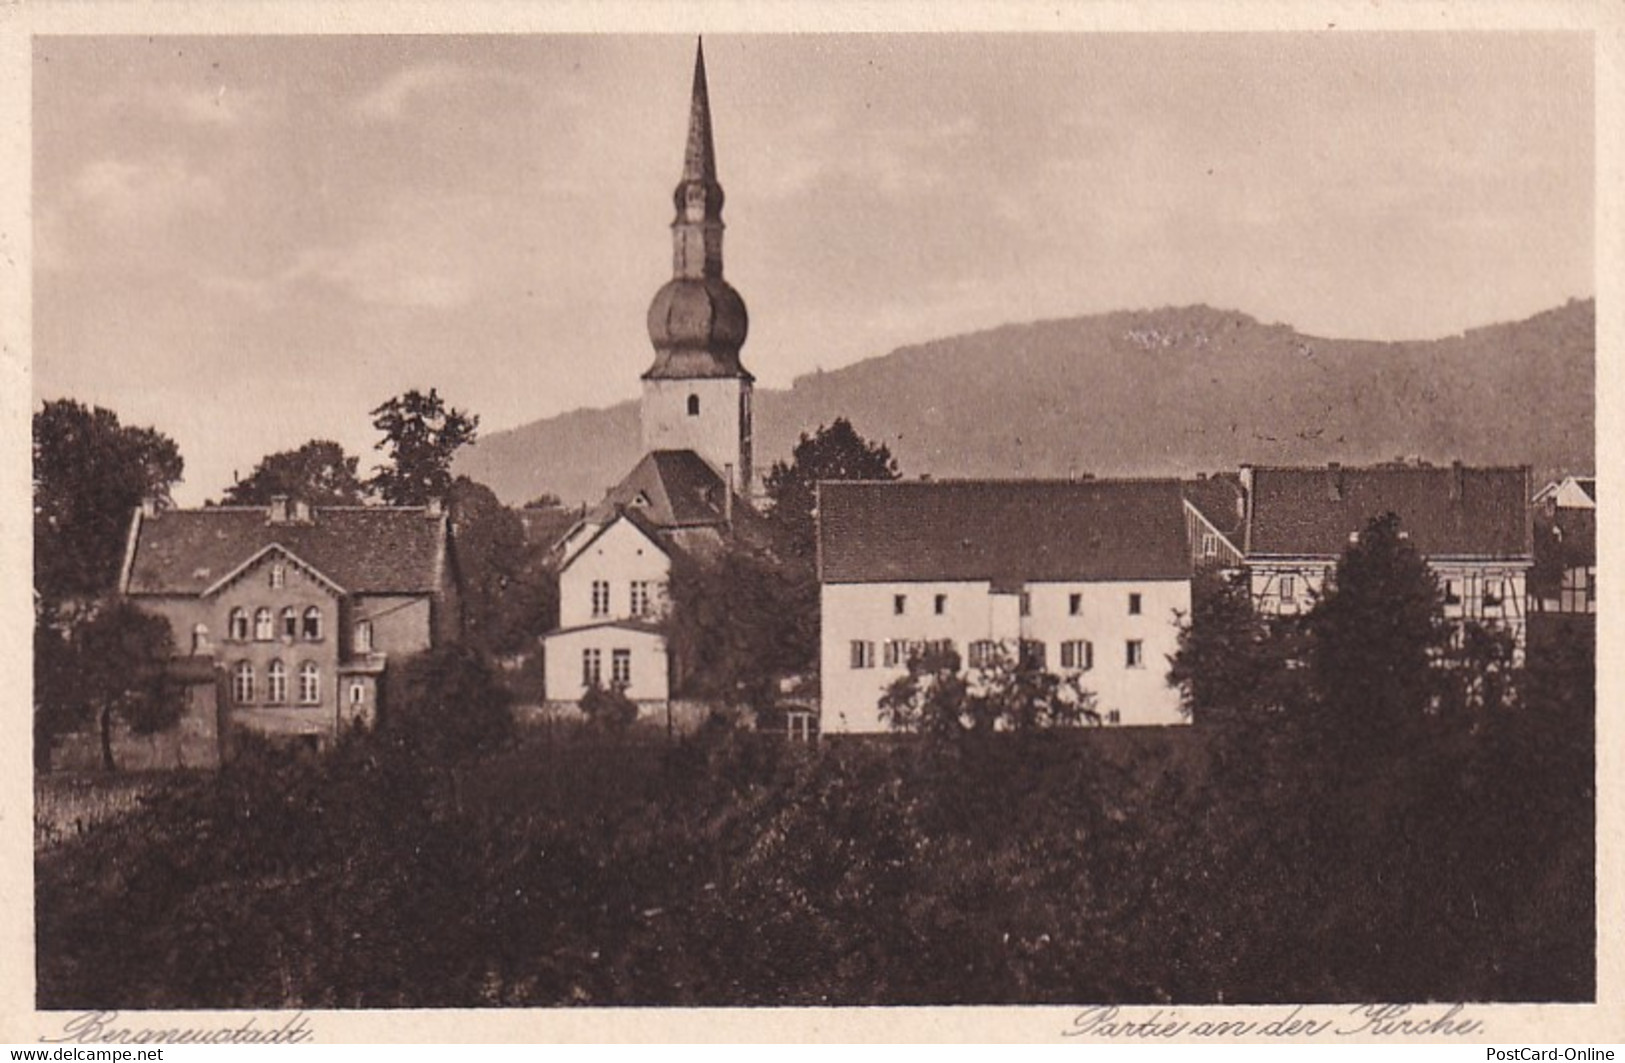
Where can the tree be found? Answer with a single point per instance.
(608, 708)
(445, 705)
(509, 594)
(1233, 666)
(90, 474)
(118, 660)
(318, 472)
(1375, 638)
(738, 622)
(421, 434)
(1008, 691)
(834, 452)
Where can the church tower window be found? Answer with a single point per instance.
(693, 405)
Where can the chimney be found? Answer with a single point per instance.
(434, 507)
(1458, 481)
(149, 506)
(279, 509)
(1334, 481)
(301, 511)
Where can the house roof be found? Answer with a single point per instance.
(1004, 531)
(1449, 511)
(642, 627)
(364, 549)
(669, 488)
(1571, 492)
(1221, 502)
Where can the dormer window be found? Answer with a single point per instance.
(693, 405)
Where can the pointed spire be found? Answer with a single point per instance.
(700, 158)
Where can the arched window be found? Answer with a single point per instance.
(310, 683)
(262, 624)
(313, 624)
(276, 683)
(200, 638)
(242, 683)
(363, 636)
(279, 575)
(237, 627)
(693, 405)
(290, 623)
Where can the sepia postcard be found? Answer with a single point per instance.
(799, 523)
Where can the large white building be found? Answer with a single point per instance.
(1085, 577)
(682, 498)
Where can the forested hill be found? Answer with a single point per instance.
(1158, 392)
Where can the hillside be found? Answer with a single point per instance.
(1160, 392)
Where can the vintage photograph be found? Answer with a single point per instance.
(813, 519)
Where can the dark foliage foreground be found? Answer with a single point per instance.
(1188, 865)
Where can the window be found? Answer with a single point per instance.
(1210, 544)
(1074, 604)
(592, 667)
(1135, 657)
(937, 647)
(1494, 593)
(1289, 588)
(279, 576)
(242, 683)
(620, 667)
(313, 624)
(693, 405)
(237, 626)
(262, 624)
(600, 597)
(863, 654)
(310, 684)
(200, 638)
(1134, 605)
(941, 604)
(363, 636)
(640, 597)
(1114, 716)
(894, 652)
(290, 623)
(1452, 593)
(1078, 654)
(799, 725)
(1032, 653)
(358, 693)
(276, 683)
(982, 652)
(899, 604)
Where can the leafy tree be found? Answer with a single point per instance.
(738, 622)
(608, 708)
(421, 434)
(90, 473)
(1234, 666)
(1008, 692)
(1375, 637)
(118, 660)
(318, 472)
(545, 500)
(509, 594)
(834, 452)
(445, 705)
(1481, 672)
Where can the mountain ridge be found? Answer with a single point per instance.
(1170, 392)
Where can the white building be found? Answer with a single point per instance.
(681, 499)
(1089, 577)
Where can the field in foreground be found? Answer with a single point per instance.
(572, 868)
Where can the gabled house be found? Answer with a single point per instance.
(1472, 525)
(287, 615)
(1571, 492)
(1087, 577)
(1563, 581)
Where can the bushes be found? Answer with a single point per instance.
(445, 705)
(609, 709)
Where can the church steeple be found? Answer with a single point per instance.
(697, 395)
(697, 322)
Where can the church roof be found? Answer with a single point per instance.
(1003, 531)
(1447, 511)
(363, 549)
(670, 488)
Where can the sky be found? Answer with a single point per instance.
(250, 242)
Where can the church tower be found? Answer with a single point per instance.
(697, 395)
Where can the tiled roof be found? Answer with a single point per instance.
(1446, 511)
(364, 549)
(545, 527)
(1005, 531)
(669, 488)
(1220, 500)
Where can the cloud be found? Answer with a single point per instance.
(221, 105)
(387, 271)
(145, 190)
(388, 101)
